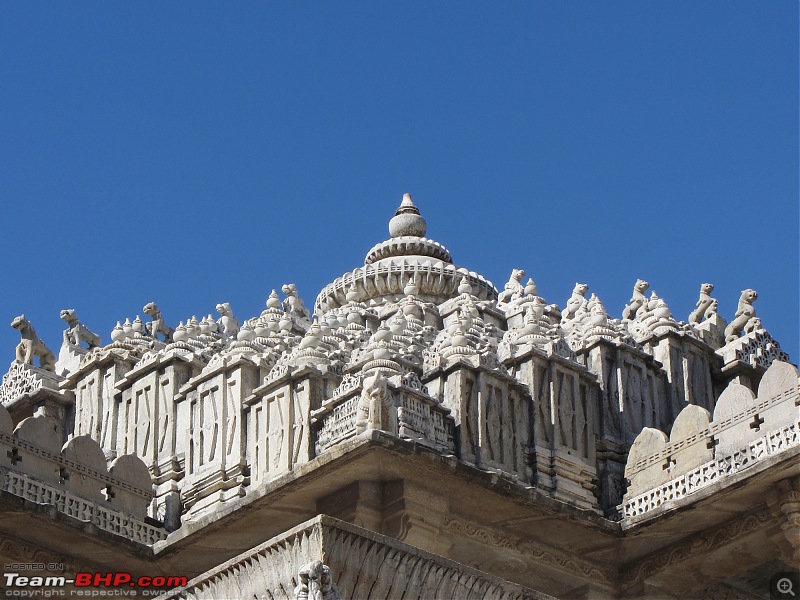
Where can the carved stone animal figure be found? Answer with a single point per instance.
(745, 319)
(575, 301)
(77, 331)
(513, 289)
(293, 304)
(703, 303)
(157, 325)
(637, 299)
(316, 583)
(30, 345)
(227, 322)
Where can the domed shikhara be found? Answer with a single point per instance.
(406, 257)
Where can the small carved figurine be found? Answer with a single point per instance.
(745, 319)
(371, 412)
(637, 299)
(228, 324)
(30, 345)
(77, 332)
(316, 583)
(157, 325)
(513, 289)
(575, 301)
(293, 304)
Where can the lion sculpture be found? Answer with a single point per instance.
(228, 324)
(157, 325)
(513, 289)
(745, 320)
(30, 345)
(575, 301)
(77, 332)
(704, 303)
(637, 300)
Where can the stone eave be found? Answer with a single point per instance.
(285, 501)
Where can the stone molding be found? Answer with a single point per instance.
(361, 563)
(691, 548)
(531, 550)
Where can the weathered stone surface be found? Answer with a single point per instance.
(419, 402)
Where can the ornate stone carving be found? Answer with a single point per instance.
(316, 583)
(513, 289)
(77, 332)
(21, 379)
(637, 300)
(294, 306)
(531, 550)
(745, 319)
(227, 323)
(692, 548)
(30, 345)
(706, 305)
(157, 325)
(575, 302)
(373, 408)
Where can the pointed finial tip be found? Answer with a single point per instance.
(406, 200)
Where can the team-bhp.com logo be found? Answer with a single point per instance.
(117, 583)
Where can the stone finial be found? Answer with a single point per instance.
(30, 345)
(411, 288)
(118, 333)
(745, 320)
(464, 287)
(407, 221)
(273, 301)
(530, 288)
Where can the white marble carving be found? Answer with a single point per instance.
(31, 346)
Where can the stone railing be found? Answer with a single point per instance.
(339, 560)
(700, 451)
(774, 442)
(408, 412)
(75, 478)
(80, 508)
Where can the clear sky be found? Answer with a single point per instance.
(195, 153)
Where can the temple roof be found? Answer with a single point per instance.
(406, 256)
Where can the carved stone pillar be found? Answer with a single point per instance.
(784, 504)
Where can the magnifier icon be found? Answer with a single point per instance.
(785, 586)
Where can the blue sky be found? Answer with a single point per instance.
(194, 153)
